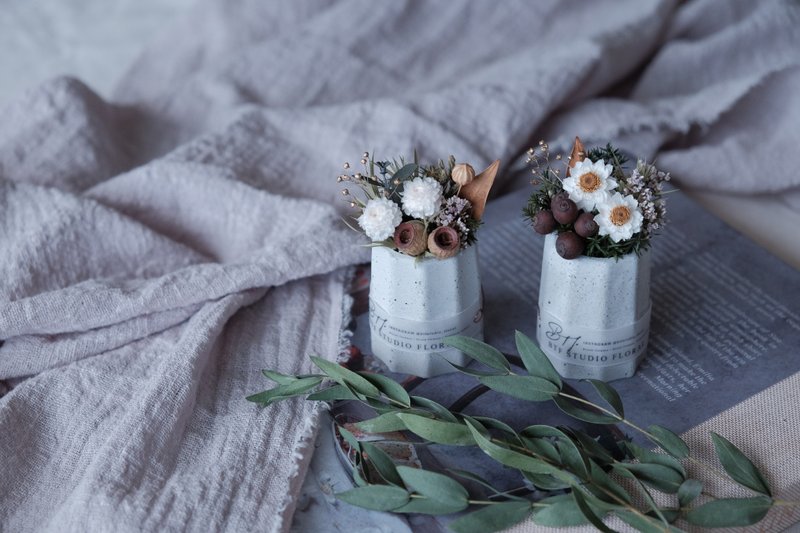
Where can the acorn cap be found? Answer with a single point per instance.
(477, 191)
(578, 154)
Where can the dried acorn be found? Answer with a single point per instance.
(585, 226)
(565, 211)
(569, 245)
(543, 222)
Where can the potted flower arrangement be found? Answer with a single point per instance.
(422, 222)
(594, 295)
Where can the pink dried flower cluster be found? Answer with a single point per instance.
(645, 184)
(454, 213)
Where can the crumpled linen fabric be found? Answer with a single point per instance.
(162, 247)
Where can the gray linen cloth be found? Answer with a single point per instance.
(161, 248)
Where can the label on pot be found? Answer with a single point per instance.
(423, 336)
(585, 346)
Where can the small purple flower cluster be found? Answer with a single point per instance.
(645, 184)
(454, 213)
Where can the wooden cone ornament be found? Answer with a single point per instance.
(477, 191)
(578, 154)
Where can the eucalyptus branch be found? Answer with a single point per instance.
(551, 458)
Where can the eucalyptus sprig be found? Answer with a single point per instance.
(581, 477)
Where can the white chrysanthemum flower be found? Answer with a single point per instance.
(620, 217)
(590, 183)
(380, 218)
(422, 197)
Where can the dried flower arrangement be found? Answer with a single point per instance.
(597, 208)
(419, 210)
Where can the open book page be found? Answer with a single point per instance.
(725, 317)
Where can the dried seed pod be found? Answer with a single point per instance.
(411, 238)
(543, 222)
(565, 211)
(569, 245)
(585, 226)
(443, 242)
(463, 174)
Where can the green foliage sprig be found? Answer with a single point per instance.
(580, 476)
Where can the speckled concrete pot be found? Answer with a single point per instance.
(594, 313)
(415, 303)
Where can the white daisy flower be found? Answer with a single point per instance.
(422, 197)
(590, 183)
(380, 218)
(620, 217)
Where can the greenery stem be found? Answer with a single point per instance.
(640, 430)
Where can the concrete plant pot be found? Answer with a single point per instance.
(594, 313)
(415, 303)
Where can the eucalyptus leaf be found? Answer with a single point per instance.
(358, 479)
(572, 457)
(349, 438)
(389, 387)
(277, 377)
(558, 511)
(480, 351)
(423, 505)
(541, 430)
(568, 407)
(282, 392)
(441, 411)
(332, 394)
(498, 424)
(528, 388)
(669, 441)
(382, 463)
(738, 466)
(648, 456)
(609, 394)
(657, 476)
(730, 512)
(689, 491)
(516, 459)
(651, 502)
(474, 477)
(670, 513)
(405, 172)
(589, 513)
(437, 431)
(603, 481)
(473, 372)
(490, 518)
(543, 448)
(645, 524)
(375, 497)
(435, 486)
(546, 482)
(343, 376)
(593, 448)
(382, 423)
(535, 360)
(377, 405)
